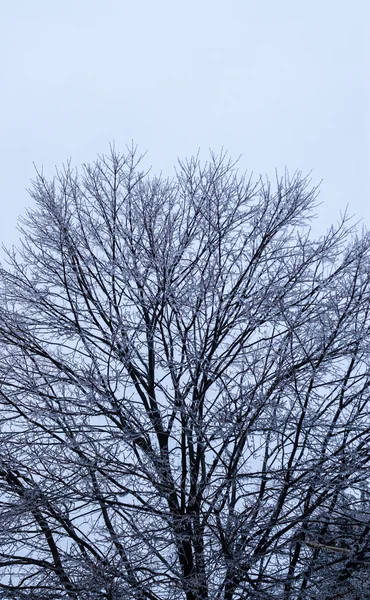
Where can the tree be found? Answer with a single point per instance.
(184, 389)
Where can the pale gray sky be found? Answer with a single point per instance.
(282, 82)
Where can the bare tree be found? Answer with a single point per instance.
(184, 390)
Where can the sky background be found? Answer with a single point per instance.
(284, 83)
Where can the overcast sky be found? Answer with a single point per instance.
(282, 82)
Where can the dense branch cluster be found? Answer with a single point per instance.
(184, 391)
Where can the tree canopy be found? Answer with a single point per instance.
(184, 390)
